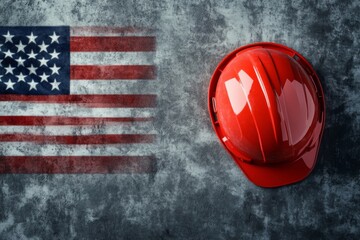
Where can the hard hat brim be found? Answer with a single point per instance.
(277, 175)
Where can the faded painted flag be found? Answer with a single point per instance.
(71, 100)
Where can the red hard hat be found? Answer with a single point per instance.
(267, 107)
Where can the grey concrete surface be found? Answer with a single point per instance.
(198, 192)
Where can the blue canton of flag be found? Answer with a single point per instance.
(35, 60)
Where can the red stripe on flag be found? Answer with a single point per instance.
(95, 101)
(61, 121)
(80, 140)
(112, 44)
(89, 72)
(77, 164)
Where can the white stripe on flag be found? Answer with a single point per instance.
(68, 110)
(120, 128)
(32, 149)
(108, 31)
(112, 58)
(113, 87)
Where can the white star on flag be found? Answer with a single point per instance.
(8, 54)
(43, 47)
(31, 37)
(20, 61)
(55, 69)
(9, 69)
(43, 62)
(32, 84)
(32, 69)
(32, 54)
(55, 85)
(9, 85)
(21, 77)
(8, 37)
(44, 77)
(20, 47)
(54, 38)
(54, 54)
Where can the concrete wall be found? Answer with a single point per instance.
(198, 192)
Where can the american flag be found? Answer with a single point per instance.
(72, 100)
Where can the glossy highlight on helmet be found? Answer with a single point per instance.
(267, 107)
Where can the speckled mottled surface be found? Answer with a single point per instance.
(198, 192)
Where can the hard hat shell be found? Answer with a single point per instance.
(267, 107)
